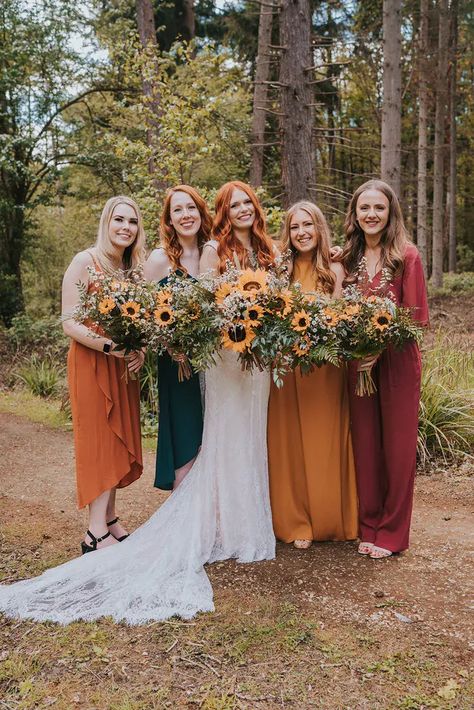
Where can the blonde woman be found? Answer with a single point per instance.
(311, 466)
(105, 404)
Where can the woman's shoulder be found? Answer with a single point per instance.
(82, 260)
(159, 257)
(158, 265)
(411, 253)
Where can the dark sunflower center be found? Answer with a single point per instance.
(252, 286)
(382, 320)
(302, 322)
(253, 314)
(131, 310)
(237, 333)
(165, 316)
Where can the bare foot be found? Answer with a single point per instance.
(302, 544)
(365, 548)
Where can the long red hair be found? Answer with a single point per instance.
(228, 243)
(168, 236)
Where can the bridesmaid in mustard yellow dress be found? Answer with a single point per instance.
(311, 465)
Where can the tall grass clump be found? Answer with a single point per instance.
(149, 395)
(42, 376)
(446, 425)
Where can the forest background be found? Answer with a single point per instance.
(304, 99)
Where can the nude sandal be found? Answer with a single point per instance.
(302, 544)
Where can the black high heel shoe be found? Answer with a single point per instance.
(119, 539)
(91, 548)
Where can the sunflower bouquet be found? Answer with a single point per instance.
(304, 332)
(371, 323)
(186, 323)
(246, 301)
(117, 306)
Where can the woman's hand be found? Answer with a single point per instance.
(135, 360)
(367, 363)
(335, 252)
(177, 357)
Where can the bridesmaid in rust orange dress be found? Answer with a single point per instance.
(105, 404)
(311, 464)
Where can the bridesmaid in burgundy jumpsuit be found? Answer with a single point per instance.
(385, 424)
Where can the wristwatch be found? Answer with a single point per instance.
(106, 347)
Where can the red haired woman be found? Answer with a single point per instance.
(385, 424)
(184, 229)
(311, 464)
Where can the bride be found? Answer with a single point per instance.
(221, 510)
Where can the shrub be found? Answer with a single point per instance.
(149, 395)
(446, 426)
(454, 284)
(41, 376)
(39, 335)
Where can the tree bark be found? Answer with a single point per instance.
(440, 120)
(296, 122)
(421, 218)
(392, 94)
(189, 20)
(452, 189)
(262, 73)
(147, 33)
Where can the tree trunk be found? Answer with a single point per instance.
(189, 20)
(262, 73)
(296, 121)
(452, 138)
(440, 120)
(421, 218)
(392, 94)
(147, 33)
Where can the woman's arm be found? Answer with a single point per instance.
(338, 271)
(157, 266)
(209, 259)
(76, 274)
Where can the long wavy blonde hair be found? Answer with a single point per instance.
(324, 278)
(394, 238)
(106, 253)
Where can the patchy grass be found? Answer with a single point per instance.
(42, 411)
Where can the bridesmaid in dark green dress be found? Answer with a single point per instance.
(184, 228)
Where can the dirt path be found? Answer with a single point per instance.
(431, 580)
(422, 597)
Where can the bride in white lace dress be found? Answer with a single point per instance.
(221, 510)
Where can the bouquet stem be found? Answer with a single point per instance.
(365, 386)
(184, 370)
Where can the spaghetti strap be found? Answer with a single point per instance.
(97, 266)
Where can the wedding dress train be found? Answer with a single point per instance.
(221, 510)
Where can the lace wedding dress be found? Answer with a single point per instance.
(221, 510)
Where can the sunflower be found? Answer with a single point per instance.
(302, 347)
(224, 290)
(253, 313)
(381, 320)
(163, 297)
(163, 315)
(284, 303)
(194, 311)
(331, 317)
(251, 282)
(238, 336)
(353, 309)
(300, 321)
(106, 305)
(130, 309)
